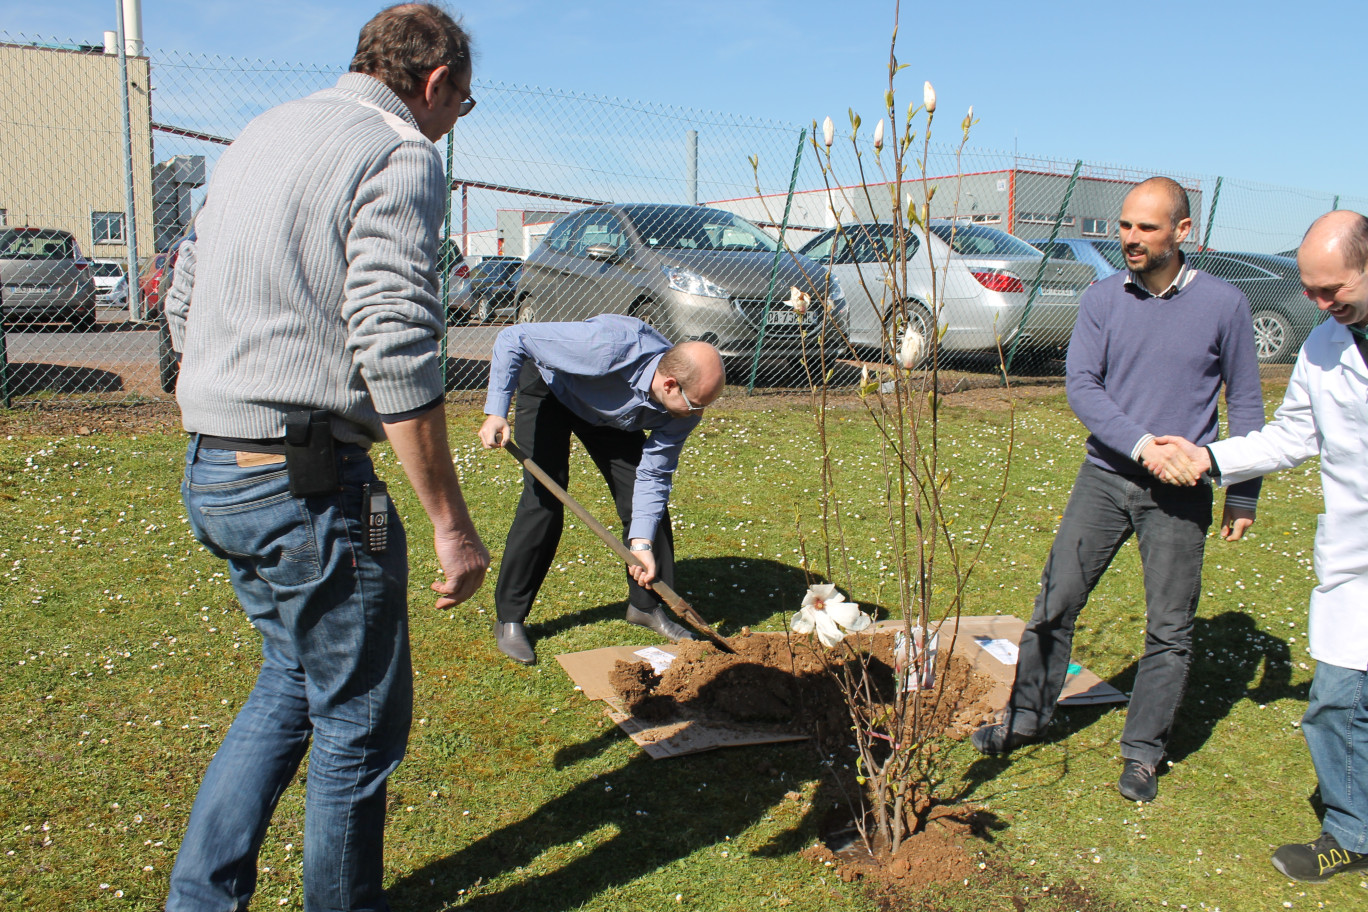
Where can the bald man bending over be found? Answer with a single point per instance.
(1151, 349)
(607, 380)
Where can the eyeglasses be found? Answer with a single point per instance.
(466, 106)
(690, 405)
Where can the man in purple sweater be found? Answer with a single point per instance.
(1151, 349)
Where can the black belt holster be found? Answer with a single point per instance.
(310, 456)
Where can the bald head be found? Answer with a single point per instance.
(1171, 191)
(689, 374)
(1342, 232)
(1332, 260)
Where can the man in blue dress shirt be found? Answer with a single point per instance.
(607, 380)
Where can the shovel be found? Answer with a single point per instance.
(677, 604)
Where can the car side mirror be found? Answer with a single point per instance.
(605, 252)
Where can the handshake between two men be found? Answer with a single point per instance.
(1178, 461)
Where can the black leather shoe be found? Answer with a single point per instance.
(996, 738)
(658, 621)
(513, 642)
(1138, 782)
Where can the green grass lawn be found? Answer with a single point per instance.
(126, 657)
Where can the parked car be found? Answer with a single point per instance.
(1103, 256)
(459, 302)
(107, 275)
(982, 278)
(690, 271)
(494, 287)
(1282, 315)
(46, 279)
(154, 280)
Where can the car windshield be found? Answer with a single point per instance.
(695, 228)
(17, 244)
(106, 270)
(976, 240)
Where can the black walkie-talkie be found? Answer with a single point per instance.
(375, 513)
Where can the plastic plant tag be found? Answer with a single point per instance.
(905, 663)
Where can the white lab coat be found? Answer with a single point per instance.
(1324, 412)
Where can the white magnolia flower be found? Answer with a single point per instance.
(826, 611)
(798, 300)
(828, 132)
(912, 348)
(929, 98)
(878, 134)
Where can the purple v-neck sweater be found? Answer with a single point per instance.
(1140, 364)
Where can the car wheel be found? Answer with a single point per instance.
(1273, 336)
(919, 318)
(483, 312)
(527, 312)
(83, 320)
(168, 369)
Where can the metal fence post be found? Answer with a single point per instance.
(135, 301)
(1211, 219)
(1040, 270)
(774, 267)
(4, 370)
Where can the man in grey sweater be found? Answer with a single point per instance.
(1151, 350)
(310, 331)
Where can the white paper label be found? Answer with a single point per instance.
(658, 658)
(1005, 651)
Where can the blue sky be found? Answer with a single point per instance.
(1248, 90)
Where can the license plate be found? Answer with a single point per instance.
(1057, 292)
(783, 317)
(30, 289)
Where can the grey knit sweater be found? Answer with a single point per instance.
(313, 277)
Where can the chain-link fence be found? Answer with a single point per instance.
(565, 205)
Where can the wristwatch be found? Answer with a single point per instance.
(642, 546)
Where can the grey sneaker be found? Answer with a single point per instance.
(513, 642)
(1316, 862)
(996, 738)
(659, 622)
(1139, 782)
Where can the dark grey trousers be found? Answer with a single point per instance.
(1170, 525)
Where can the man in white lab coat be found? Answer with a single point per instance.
(1325, 413)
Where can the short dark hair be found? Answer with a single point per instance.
(1178, 198)
(403, 44)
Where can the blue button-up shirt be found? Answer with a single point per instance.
(601, 369)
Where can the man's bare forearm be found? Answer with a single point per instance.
(422, 448)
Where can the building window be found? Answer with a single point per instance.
(107, 227)
(986, 218)
(1042, 218)
(4, 217)
(1096, 227)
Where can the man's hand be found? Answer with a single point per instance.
(464, 562)
(494, 432)
(1234, 522)
(645, 573)
(1169, 462)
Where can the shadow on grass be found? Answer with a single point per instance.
(1233, 660)
(639, 818)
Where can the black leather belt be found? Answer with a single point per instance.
(272, 445)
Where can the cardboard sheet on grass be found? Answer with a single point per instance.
(989, 643)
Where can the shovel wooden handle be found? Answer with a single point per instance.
(671, 598)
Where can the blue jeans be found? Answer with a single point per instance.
(335, 667)
(1336, 730)
(1170, 524)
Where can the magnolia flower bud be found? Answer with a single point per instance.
(929, 98)
(913, 346)
(798, 300)
(968, 120)
(878, 134)
(828, 132)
